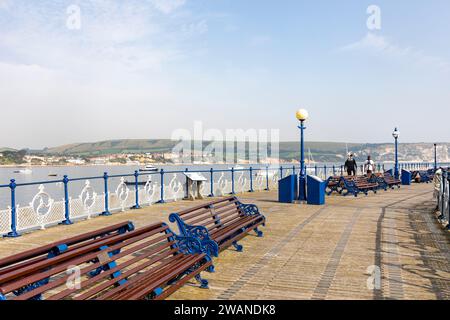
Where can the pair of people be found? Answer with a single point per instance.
(351, 166)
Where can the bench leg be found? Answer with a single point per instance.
(2, 297)
(237, 246)
(211, 269)
(203, 282)
(258, 232)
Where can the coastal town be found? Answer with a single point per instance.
(130, 154)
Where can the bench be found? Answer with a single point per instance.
(32, 256)
(334, 185)
(355, 185)
(224, 221)
(390, 181)
(422, 176)
(146, 263)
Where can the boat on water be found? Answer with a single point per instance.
(52, 175)
(149, 168)
(237, 168)
(24, 171)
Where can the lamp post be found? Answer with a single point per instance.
(396, 134)
(435, 157)
(302, 115)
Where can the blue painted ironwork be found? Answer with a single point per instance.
(302, 176)
(237, 246)
(211, 177)
(396, 172)
(426, 173)
(251, 179)
(13, 233)
(136, 190)
(66, 202)
(162, 186)
(200, 232)
(105, 179)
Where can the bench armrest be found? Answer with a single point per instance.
(193, 245)
(189, 245)
(200, 233)
(249, 209)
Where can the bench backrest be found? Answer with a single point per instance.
(94, 270)
(214, 215)
(28, 257)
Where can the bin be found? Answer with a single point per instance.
(406, 177)
(315, 190)
(287, 189)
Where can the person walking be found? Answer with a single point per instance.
(369, 167)
(350, 165)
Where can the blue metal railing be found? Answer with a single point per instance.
(261, 173)
(443, 198)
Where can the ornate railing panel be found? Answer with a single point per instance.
(127, 191)
(5, 221)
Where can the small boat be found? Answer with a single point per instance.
(52, 175)
(149, 168)
(237, 168)
(24, 171)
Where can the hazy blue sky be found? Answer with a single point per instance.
(143, 68)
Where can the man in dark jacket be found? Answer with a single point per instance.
(350, 165)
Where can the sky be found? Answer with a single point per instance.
(91, 70)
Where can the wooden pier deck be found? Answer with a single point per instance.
(311, 252)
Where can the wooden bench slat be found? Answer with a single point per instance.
(146, 283)
(58, 265)
(94, 266)
(101, 287)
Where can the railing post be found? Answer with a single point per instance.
(13, 233)
(342, 170)
(162, 186)
(232, 180)
(251, 179)
(293, 169)
(315, 170)
(187, 184)
(66, 201)
(267, 178)
(281, 172)
(334, 170)
(211, 175)
(136, 190)
(324, 171)
(105, 181)
(448, 204)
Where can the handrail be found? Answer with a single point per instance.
(89, 203)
